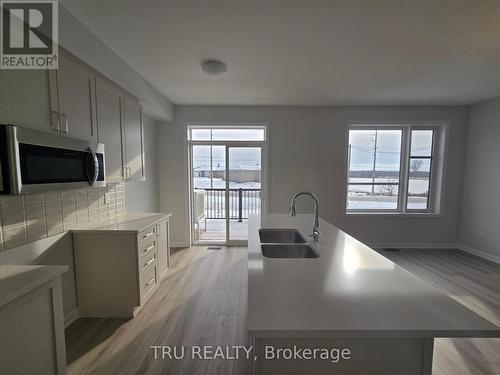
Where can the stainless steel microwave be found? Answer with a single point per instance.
(32, 161)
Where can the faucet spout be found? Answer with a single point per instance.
(316, 232)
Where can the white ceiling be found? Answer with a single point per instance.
(307, 52)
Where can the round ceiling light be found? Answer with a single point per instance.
(213, 67)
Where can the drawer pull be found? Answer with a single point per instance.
(149, 262)
(149, 248)
(149, 282)
(149, 234)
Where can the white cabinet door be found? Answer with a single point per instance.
(163, 247)
(28, 98)
(32, 328)
(76, 84)
(108, 99)
(133, 145)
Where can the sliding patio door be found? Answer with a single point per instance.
(226, 179)
(243, 189)
(208, 193)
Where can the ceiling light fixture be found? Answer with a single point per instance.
(213, 67)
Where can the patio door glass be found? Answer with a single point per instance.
(244, 186)
(208, 195)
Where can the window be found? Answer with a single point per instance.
(243, 133)
(419, 174)
(390, 169)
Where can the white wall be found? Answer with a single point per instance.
(84, 44)
(307, 152)
(480, 204)
(143, 196)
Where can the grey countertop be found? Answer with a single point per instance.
(349, 291)
(129, 222)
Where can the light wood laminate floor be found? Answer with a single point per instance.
(203, 302)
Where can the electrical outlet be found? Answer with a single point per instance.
(106, 199)
(480, 235)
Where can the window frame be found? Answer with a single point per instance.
(431, 159)
(433, 202)
(225, 126)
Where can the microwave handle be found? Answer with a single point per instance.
(92, 179)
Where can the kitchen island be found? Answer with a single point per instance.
(348, 300)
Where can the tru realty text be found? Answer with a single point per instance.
(231, 352)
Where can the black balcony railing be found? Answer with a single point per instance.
(242, 202)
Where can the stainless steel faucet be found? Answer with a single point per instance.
(316, 232)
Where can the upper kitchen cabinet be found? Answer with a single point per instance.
(119, 119)
(76, 92)
(133, 139)
(78, 102)
(28, 98)
(108, 103)
(58, 101)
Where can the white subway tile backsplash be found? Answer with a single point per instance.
(35, 198)
(14, 236)
(54, 228)
(68, 195)
(35, 218)
(35, 236)
(52, 195)
(69, 210)
(68, 225)
(29, 218)
(12, 216)
(14, 201)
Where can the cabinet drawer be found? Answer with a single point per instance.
(147, 259)
(147, 234)
(146, 246)
(149, 278)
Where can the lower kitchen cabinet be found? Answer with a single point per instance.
(163, 236)
(118, 271)
(32, 323)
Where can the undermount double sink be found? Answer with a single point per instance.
(285, 243)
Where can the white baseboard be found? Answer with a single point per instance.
(413, 245)
(71, 317)
(480, 253)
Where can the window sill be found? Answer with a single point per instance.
(386, 215)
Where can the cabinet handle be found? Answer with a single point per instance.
(64, 120)
(149, 282)
(55, 124)
(149, 248)
(147, 235)
(149, 262)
